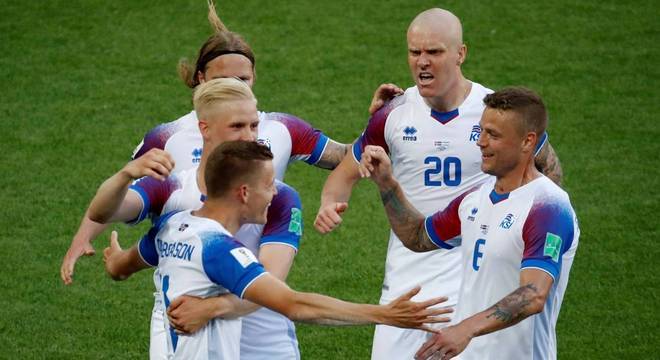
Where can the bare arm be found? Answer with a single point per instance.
(525, 301)
(112, 201)
(188, 314)
(547, 162)
(407, 223)
(276, 295)
(81, 245)
(335, 195)
(120, 264)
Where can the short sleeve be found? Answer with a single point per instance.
(307, 143)
(374, 134)
(228, 263)
(445, 225)
(547, 234)
(154, 194)
(156, 138)
(147, 245)
(284, 224)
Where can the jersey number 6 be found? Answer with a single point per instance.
(450, 169)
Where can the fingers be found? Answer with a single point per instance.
(66, 271)
(412, 292)
(329, 217)
(174, 305)
(429, 347)
(434, 301)
(114, 241)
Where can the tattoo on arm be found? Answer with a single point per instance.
(333, 154)
(514, 307)
(548, 163)
(407, 223)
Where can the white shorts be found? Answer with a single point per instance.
(393, 343)
(158, 348)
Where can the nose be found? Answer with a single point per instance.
(274, 189)
(423, 60)
(481, 141)
(248, 135)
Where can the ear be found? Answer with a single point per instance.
(200, 77)
(244, 193)
(529, 142)
(462, 54)
(204, 128)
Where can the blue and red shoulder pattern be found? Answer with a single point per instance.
(154, 194)
(228, 263)
(157, 138)
(374, 134)
(307, 143)
(285, 223)
(445, 225)
(547, 234)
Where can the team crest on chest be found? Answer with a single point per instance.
(474, 134)
(507, 222)
(409, 133)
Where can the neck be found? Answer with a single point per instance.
(453, 98)
(221, 211)
(517, 177)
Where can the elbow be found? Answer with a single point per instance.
(98, 218)
(537, 304)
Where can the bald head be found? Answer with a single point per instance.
(438, 21)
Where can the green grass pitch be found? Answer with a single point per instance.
(83, 80)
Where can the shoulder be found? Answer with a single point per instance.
(160, 135)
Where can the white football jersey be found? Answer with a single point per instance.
(197, 256)
(435, 158)
(283, 226)
(287, 136)
(532, 227)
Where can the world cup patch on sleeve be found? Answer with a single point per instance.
(295, 225)
(244, 256)
(552, 246)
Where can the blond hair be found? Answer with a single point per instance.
(211, 95)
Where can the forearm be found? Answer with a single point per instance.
(340, 182)
(406, 222)
(109, 197)
(88, 230)
(333, 155)
(230, 306)
(525, 301)
(325, 310)
(124, 264)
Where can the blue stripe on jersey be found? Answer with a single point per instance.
(435, 238)
(495, 197)
(232, 271)
(146, 205)
(357, 151)
(551, 267)
(166, 286)
(542, 141)
(316, 154)
(147, 245)
(444, 117)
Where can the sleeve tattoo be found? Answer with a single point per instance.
(407, 223)
(333, 154)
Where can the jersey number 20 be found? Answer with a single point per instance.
(450, 169)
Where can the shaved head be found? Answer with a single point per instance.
(439, 21)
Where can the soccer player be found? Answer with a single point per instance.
(518, 234)
(430, 132)
(196, 254)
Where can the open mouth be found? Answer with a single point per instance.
(425, 77)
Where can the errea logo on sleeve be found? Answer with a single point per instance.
(244, 256)
(552, 246)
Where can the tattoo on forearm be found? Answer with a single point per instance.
(406, 221)
(512, 308)
(332, 155)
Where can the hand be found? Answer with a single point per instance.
(329, 216)
(384, 93)
(188, 314)
(156, 163)
(79, 247)
(446, 344)
(375, 164)
(402, 312)
(111, 254)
